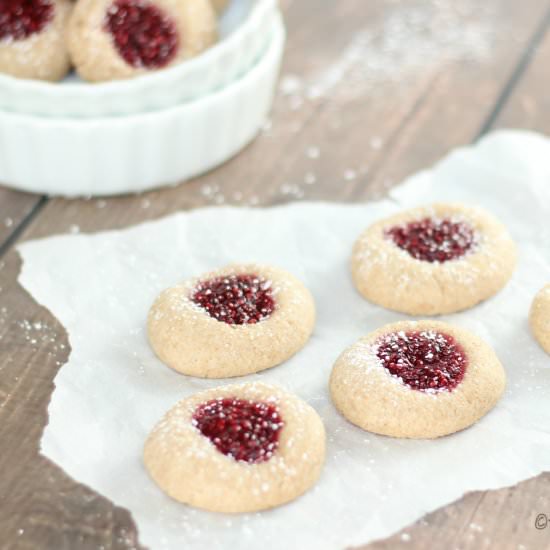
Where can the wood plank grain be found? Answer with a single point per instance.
(529, 106)
(336, 133)
(15, 207)
(40, 506)
(499, 520)
(444, 117)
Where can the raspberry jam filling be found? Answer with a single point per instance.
(433, 240)
(19, 19)
(237, 299)
(248, 431)
(424, 360)
(143, 35)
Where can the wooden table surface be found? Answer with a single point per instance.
(370, 93)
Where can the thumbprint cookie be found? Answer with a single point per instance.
(433, 260)
(236, 449)
(116, 39)
(234, 321)
(32, 43)
(417, 379)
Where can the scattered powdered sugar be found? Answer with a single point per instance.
(37, 335)
(408, 39)
(313, 152)
(292, 190)
(310, 178)
(350, 175)
(209, 189)
(363, 356)
(388, 53)
(213, 193)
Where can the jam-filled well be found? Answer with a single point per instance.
(433, 240)
(246, 430)
(143, 35)
(20, 19)
(236, 299)
(423, 360)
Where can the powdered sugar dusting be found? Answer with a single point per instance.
(408, 39)
(180, 423)
(375, 247)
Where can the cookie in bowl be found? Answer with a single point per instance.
(32, 44)
(234, 321)
(417, 379)
(118, 39)
(235, 449)
(433, 260)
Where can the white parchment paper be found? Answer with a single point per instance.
(113, 390)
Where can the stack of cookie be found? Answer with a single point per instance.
(153, 98)
(103, 39)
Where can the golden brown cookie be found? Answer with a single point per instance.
(114, 39)
(539, 318)
(433, 260)
(239, 448)
(417, 379)
(234, 321)
(32, 38)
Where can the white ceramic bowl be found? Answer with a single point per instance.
(245, 28)
(113, 155)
